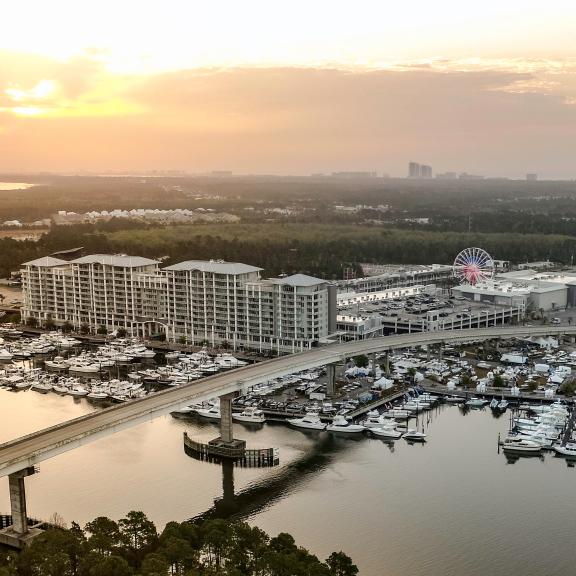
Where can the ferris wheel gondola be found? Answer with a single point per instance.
(473, 265)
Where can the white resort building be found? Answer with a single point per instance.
(211, 302)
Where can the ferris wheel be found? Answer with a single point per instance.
(473, 265)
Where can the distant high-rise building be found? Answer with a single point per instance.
(425, 171)
(531, 177)
(413, 170)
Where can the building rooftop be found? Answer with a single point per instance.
(46, 262)
(115, 260)
(299, 280)
(214, 266)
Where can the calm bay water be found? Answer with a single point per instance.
(451, 506)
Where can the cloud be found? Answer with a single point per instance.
(495, 117)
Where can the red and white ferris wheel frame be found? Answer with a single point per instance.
(473, 265)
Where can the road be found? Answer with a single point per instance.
(34, 448)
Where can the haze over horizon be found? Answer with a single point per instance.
(290, 89)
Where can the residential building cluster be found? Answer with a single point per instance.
(178, 215)
(200, 302)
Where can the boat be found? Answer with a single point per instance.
(311, 421)
(388, 431)
(567, 450)
(415, 436)
(5, 355)
(209, 412)
(77, 391)
(184, 411)
(59, 389)
(42, 387)
(494, 404)
(57, 364)
(398, 414)
(521, 445)
(250, 414)
(503, 405)
(341, 425)
(85, 368)
(97, 395)
(476, 402)
(454, 399)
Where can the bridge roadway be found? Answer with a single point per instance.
(29, 450)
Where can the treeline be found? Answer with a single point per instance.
(133, 547)
(316, 249)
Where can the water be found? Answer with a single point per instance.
(15, 185)
(451, 506)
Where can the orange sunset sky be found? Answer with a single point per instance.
(289, 87)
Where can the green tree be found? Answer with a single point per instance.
(139, 534)
(50, 554)
(121, 332)
(341, 564)
(104, 535)
(498, 381)
(67, 327)
(49, 323)
(361, 361)
(32, 321)
(111, 566)
(85, 328)
(102, 330)
(154, 565)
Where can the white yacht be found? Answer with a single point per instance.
(476, 402)
(374, 420)
(85, 368)
(42, 387)
(567, 450)
(97, 395)
(415, 436)
(503, 405)
(454, 399)
(250, 414)
(57, 364)
(521, 445)
(77, 391)
(212, 412)
(340, 424)
(5, 355)
(387, 431)
(311, 421)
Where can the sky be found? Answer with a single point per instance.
(293, 87)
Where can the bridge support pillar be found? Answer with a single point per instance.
(387, 363)
(18, 534)
(440, 351)
(226, 424)
(18, 500)
(427, 352)
(373, 363)
(331, 382)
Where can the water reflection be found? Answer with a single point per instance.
(262, 494)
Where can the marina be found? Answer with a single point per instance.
(457, 474)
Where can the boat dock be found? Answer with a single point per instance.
(525, 396)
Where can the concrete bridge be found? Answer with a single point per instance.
(19, 457)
